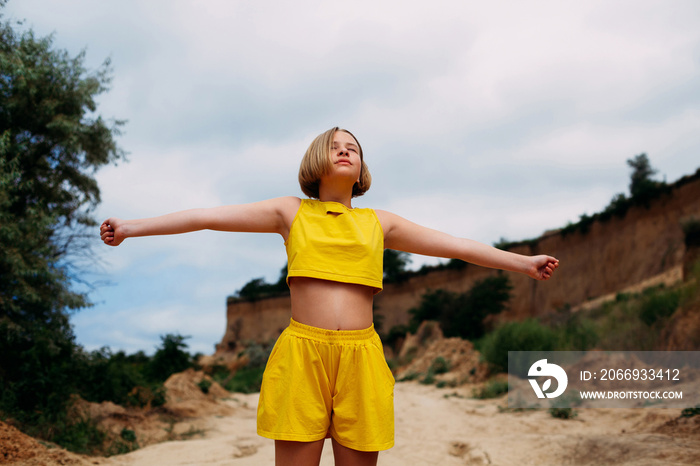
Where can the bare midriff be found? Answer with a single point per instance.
(331, 305)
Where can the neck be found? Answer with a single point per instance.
(343, 196)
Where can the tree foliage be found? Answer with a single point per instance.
(643, 189)
(462, 314)
(170, 358)
(395, 265)
(258, 288)
(641, 176)
(51, 143)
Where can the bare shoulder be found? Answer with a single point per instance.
(390, 222)
(287, 206)
(385, 218)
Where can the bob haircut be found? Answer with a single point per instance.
(317, 162)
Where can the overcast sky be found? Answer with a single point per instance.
(487, 120)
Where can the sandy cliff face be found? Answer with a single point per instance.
(645, 245)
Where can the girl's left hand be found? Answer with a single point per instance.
(543, 267)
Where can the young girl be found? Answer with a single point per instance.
(327, 375)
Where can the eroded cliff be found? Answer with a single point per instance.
(646, 246)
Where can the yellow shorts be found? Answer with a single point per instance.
(322, 382)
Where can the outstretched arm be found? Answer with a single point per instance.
(403, 235)
(271, 216)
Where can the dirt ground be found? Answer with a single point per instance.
(434, 426)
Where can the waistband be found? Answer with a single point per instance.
(330, 336)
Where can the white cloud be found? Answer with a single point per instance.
(487, 120)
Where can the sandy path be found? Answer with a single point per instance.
(446, 427)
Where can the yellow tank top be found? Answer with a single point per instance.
(331, 242)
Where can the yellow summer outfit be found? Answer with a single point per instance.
(329, 241)
(322, 382)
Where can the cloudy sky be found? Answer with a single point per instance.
(487, 120)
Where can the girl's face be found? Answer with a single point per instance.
(345, 156)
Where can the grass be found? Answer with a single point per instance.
(491, 389)
(245, 380)
(563, 413)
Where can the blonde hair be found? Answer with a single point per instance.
(317, 162)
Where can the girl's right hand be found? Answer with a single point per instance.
(111, 232)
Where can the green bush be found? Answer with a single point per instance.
(690, 412)
(395, 266)
(204, 385)
(169, 358)
(618, 207)
(528, 335)
(577, 334)
(258, 289)
(124, 444)
(108, 376)
(462, 314)
(246, 380)
(658, 304)
(80, 437)
(409, 377)
(396, 333)
(258, 354)
(491, 389)
(135, 380)
(563, 413)
(439, 366)
(128, 435)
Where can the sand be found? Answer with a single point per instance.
(434, 426)
(447, 427)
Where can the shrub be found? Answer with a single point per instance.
(491, 389)
(563, 413)
(395, 266)
(111, 377)
(409, 377)
(462, 315)
(258, 354)
(690, 412)
(657, 304)
(430, 308)
(528, 335)
(124, 444)
(439, 366)
(618, 207)
(204, 385)
(80, 437)
(396, 334)
(169, 359)
(577, 334)
(258, 288)
(246, 380)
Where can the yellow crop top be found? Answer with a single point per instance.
(331, 242)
